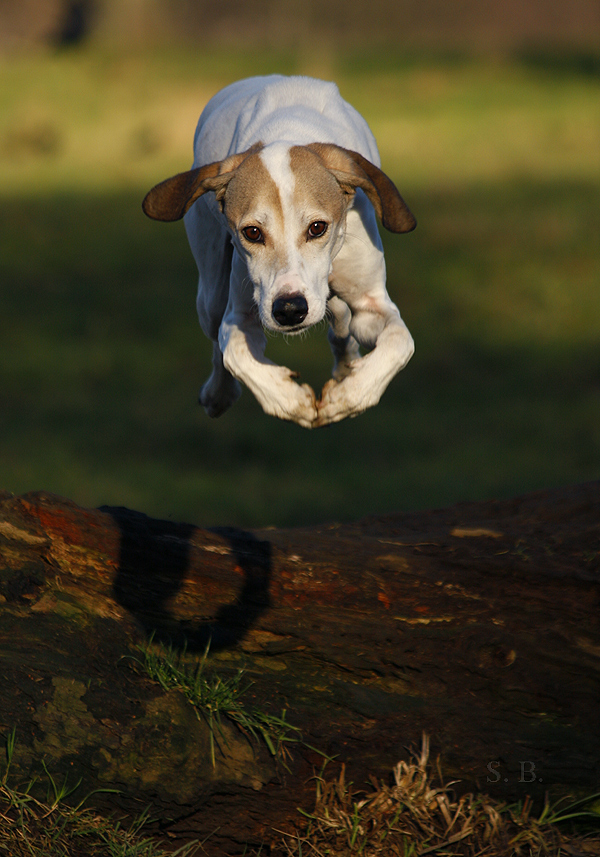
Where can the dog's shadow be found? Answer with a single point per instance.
(154, 559)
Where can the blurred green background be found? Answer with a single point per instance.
(494, 140)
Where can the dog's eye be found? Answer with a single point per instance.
(316, 229)
(253, 234)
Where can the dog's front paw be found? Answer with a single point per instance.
(340, 399)
(305, 414)
(297, 402)
(282, 397)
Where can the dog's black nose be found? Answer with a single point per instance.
(290, 310)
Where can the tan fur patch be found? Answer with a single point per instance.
(252, 193)
(317, 192)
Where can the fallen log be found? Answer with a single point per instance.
(477, 624)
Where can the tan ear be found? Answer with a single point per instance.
(353, 170)
(170, 199)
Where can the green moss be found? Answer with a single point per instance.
(165, 751)
(65, 721)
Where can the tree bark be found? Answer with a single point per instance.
(477, 624)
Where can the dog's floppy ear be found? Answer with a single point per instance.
(353, 170)
(170, 199)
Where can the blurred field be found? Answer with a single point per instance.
(102, 357)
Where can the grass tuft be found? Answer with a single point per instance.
(53, 828)
(413, 816)
(214, 697)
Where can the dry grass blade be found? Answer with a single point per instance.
(415, 816)
(34, 828)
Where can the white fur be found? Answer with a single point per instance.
(344, 272)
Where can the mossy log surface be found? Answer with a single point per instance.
(477, 624)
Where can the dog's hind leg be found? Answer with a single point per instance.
(211, 246)
(343, 345)
(221, 390)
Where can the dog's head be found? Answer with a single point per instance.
(286, 207)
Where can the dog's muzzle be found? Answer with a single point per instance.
(290, 310)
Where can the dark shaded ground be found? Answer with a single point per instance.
(478, 624)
